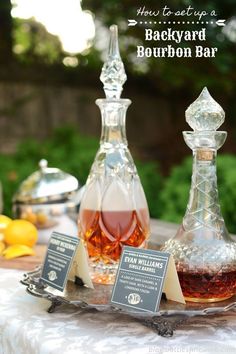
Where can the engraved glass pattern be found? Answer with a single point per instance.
(204, 252)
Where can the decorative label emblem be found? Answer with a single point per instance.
(134, 299)
(52, 275)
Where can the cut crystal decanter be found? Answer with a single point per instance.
(113, 210)
(204, 252)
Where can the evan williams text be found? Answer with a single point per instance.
(175, 36)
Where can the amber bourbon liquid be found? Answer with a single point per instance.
(207, 287)
(106, 232)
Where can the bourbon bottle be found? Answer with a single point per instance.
(113, 210)
(204, 252)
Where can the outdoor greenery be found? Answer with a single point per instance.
(27, 42)
(215, 72)
(66, 149)
(74, 153)
(71, 152)
(32, 43)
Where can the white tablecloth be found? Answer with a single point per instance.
(27, 328)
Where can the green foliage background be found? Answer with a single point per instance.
(74, 153)
(71, 152)
(217, 73)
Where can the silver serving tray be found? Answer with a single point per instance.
(170, 314)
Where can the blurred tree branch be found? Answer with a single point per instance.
(5, 31)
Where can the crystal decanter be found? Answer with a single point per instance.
(113, 211)
(204, 252)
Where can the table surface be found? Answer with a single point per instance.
(27, 328)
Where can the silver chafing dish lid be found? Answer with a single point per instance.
(48, 184)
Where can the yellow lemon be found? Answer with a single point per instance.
(18, 251)
(21, 232)
(4, 222)
(30, 216)
(2, 247)
(41, 218)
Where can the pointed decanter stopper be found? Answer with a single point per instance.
(205, 114)
(113, 74)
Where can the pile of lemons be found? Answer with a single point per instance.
(17, 237)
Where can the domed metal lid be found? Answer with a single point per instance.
(46, 185)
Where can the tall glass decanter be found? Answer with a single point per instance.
(113, 210)
(204, 252)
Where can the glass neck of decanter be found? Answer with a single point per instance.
(203, 215)
(204, 192)
(203, 199)
(113, 113)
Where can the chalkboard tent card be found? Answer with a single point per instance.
(142, 276)
(66, 259)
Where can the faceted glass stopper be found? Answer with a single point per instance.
(205, 114)
(113, 74)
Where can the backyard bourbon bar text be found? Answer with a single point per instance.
(173, 39)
